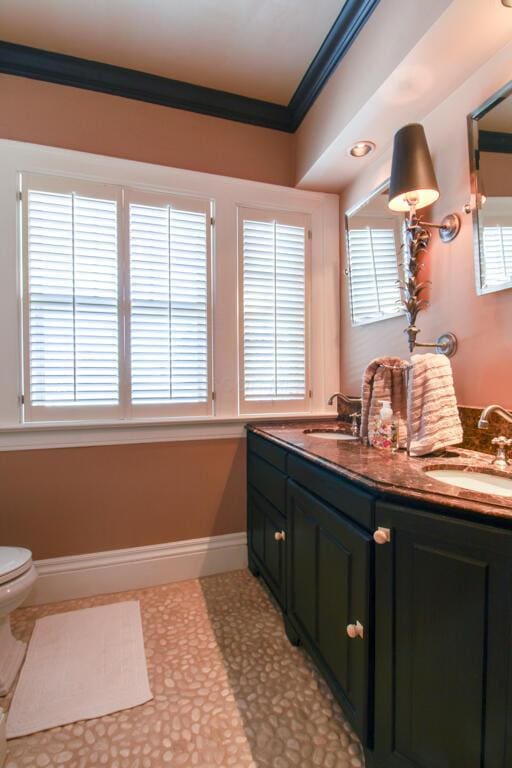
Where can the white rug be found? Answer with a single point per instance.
(80, 665)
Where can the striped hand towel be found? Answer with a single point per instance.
(432, 414)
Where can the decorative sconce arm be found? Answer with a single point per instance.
(417, 239)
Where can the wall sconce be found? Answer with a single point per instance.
(413, 185)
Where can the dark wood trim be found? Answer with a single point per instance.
(340, 37)
(495, 141)
(58, 68)
(37, 64)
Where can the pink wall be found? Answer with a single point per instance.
(496, 171)
(483, 365)
(178, 507)
(60, 116)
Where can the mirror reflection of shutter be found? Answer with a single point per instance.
(497, 255)
(373, 272)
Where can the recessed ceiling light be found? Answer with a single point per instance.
(362, 148)
(507, 3)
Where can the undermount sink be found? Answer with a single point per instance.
(482, 482)
(330, 434)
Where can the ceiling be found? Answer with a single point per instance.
(255, 48)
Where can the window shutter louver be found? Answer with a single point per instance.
(373, 269)
(72, 285)
(274, 310)
(497, 255)
(169, 304)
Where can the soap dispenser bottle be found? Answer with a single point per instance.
(384, 433)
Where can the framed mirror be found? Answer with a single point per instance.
(490, 159)
(374, 237)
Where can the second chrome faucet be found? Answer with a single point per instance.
(501, 460)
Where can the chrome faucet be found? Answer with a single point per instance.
(344, 398)
(501, 460)
(355, 426)
(483, 421)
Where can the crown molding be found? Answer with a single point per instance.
(34, 63)
(37, 64)
(340, 37)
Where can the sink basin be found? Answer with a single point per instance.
(329, 434)
(482, 482)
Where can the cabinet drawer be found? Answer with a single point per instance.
(267, 450)
(267, 551)
(267, 480)
(343, 496)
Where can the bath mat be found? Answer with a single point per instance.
(80, 665)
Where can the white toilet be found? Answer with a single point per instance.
(17, 576)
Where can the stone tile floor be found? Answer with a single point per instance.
(229, 690)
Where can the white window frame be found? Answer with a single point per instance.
(225, 194)
(63, 185)
(292, 218)
(125, 409)
(144, 197)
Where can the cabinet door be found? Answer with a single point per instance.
(267, 546)
(442, 642)
(328, 588)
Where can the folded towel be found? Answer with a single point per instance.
(433, 417)
(384, 379)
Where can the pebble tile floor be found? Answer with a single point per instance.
(229, 690)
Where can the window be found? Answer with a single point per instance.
(373, 269)
(116, 301)
(169, 291)
(274, 267)
(497, 255)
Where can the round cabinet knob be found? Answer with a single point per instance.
(279, 535)
(382, 536)
(355, 630)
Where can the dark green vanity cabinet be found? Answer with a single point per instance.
(443, 642)
(266, 543)
(328, 589)
(429, 682)
(320, 572)
(266, 514)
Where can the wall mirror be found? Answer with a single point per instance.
(374, 238)
(490, 157)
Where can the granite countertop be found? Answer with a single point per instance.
(384, 472)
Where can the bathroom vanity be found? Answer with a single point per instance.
(397, 585)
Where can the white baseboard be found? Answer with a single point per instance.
(65, 578)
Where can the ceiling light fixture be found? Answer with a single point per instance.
(507, 3)
(361, 148)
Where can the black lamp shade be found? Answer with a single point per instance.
(413, 181)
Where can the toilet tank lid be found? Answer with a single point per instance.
(13, 562)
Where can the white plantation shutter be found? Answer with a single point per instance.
(273, 310)
(169, 296)
(71, 298)
(373, 270)
(497, 255)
